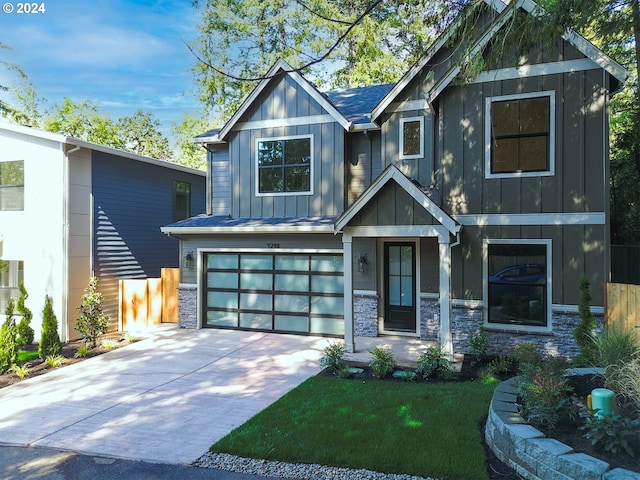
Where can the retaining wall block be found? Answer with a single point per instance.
(621, 474)
(519, 434)
(548, 473)
(582, 466)
(547, 451)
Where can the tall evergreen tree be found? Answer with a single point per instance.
(50, 340)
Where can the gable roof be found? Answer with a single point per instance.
(281, 66)
(393, 173)
(72, 142)
(356, 103)
(504, 14)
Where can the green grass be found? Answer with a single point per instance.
(414, 428)
(25, 356)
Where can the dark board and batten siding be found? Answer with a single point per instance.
(285, 101)
(128, 211)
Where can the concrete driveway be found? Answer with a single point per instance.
(165, 399)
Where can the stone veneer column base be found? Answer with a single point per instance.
(187, 305)
(365, 314)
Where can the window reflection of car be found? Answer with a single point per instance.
(516, 281)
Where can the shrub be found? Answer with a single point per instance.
(49, 340)
(500, 366)
(526, 354)
(616, 346)
(332, 358)
(478, 342)
(21, 371)
(383, 364)
(92, 322)
(55, 361)
(8, 339)
(433, 362)
(609, 431)
(545, 393)
(583, 334)
(82, 351)
(108, 344)
(25, 332)
(129, 337)
(626, 381)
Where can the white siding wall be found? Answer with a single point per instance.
(36, 235)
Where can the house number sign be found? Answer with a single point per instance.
(273, 245)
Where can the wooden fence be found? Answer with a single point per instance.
(622, 306)
(149, 301)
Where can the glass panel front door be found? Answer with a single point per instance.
(400, 287)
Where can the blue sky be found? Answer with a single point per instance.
(124, 55)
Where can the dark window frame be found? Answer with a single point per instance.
(181, 210)
(284, 171)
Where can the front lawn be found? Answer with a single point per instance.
(416, 428)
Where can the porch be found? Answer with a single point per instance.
(405, 350)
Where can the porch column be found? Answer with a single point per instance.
(445, 295)
(349, 342)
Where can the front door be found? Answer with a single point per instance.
(400, 287)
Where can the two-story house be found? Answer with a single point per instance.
(425, 208)
(71, 209)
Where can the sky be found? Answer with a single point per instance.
(124, 55)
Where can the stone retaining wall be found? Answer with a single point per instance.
(530, 453)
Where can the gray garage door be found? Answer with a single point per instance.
(300, 293)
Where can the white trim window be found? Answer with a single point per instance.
(520, 135)
(11, 275)
(517, 286)
(411, 137)
(284, 165)
(12, 185)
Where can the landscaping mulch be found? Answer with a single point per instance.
(38, 366)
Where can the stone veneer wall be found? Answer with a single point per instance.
(465, 319)
(188, 306)
(534, 456)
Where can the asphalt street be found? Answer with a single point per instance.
(27, 463)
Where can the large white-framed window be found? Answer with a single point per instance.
(411, 137)
(517, 284)
(520, 135)
(12, 185)
(284, 165)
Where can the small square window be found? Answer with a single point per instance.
(412, 137)
(284, 165)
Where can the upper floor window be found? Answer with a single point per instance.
(518, 290)
(285, 165)
(411, 137)
(519, 135)
(181, 200)
(12, 185)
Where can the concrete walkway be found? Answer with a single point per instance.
(165, 399)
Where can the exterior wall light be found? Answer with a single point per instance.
(362, 263)
(188, 260)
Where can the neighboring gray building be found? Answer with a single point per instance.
(425, 208)
(70, 209)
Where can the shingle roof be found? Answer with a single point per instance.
(356, 103)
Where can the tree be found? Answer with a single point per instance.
(92, 322)
(347, 42)
(50, 340)
(25, 332)
(140, 134)
(191, 155)
(23, 93)
(84, 122)
(8, 339)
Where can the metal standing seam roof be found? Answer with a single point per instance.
(204, 222)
